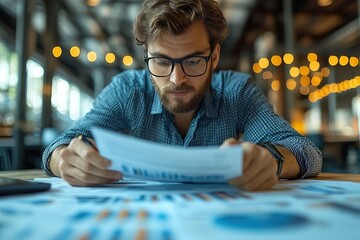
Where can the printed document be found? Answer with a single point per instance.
(143, 159)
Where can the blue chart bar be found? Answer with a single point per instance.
(169, 197)
(82, 215)
(260, 221)
(93, 199)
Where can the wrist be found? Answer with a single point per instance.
(277, 156)
(53, 162)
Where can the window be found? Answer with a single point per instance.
(8, 81)
(68, 100)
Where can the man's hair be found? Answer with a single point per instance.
(176, 16)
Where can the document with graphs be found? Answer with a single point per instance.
(139, 158)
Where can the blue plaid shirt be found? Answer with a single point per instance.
(233, 107)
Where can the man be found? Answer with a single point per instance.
(180, 100)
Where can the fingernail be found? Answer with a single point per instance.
(117, 175)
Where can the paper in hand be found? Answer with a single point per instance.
(138, 158)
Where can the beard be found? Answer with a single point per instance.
(177, 105)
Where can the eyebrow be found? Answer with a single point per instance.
(158, 54)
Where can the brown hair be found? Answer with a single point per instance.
(176, 16)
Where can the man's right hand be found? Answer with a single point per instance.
(80, 164)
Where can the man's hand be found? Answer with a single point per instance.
(259, 167)
(80, 164)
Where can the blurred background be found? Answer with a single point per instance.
(56, 56)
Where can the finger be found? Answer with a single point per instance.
(89, 154)
(229, 142)
(267, 184)
(255, 157)
(259, 182)
(262, 182)
(258, 165)
(77, 177)
(249, 153)
(71, 160)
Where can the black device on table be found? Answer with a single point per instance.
(10, 186)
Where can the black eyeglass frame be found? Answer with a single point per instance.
(179, 60)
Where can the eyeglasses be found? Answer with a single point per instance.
(193, 66)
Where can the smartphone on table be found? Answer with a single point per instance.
(10, 186)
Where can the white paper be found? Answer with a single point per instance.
(301, 209)
(159, 162)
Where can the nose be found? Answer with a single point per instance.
(177, 76)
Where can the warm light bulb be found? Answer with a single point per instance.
(57, 51)
(257, 68)
(263, 63)
(291, 84)
(276, 60)
(343, 60)
(275, 85)
(312, 57)
(333, 60)
(91, 56)
(110, 58)
(75, 51)
(128, 60)
(288, 58)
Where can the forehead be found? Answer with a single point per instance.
(195, 38)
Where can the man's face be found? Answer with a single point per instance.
(178, 92)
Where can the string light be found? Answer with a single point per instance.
(304, 70)
(276, 60)
(263, 63)
(275, 85)
(267, 75)
(75, 51)
(343, 60)
(294, 72)
(334, 88)
(288, 58)
(110, 58)
(354, 61)
(57, 51)
(333, 60)
(291, 84)
(312, 57)
(314, 66)
(257, 68)
(128, 60)
(91, 56)
(325, 71)
(305, 81)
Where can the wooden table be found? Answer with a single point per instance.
(37, 173)
(23, 174)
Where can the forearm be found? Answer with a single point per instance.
(291, 167)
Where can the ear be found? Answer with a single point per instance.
(215, 56)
